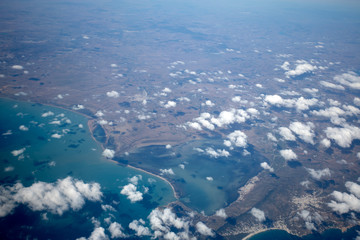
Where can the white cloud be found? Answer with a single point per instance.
(162, 222)
(98, 234)
(218, 153)
(167, 171)
(326, 143)
(238, 138)
(301, 68)
(113, 94)
(357, 101)
(108, 153)
(346, 202)
(168, 146)
(332, 85)
(7, 133)
(204, 230)
(170, 104)
(116, 230)
(99, 114)
(139, 229)
(258, 214)
(305, 132)
(78, 107)
(286, 134)
(349, 79)
(271, 137)
(311, 90)
(23, 128)
(195, 125)
(167, 90)
(135, 179)
(300, 103)
(57, 197)
(210, 179)
(16, 153)
(288, 154)
(343, 136)
(132, 194)
(9, 169)
(47, 114)
(318, 174)
(17, 67)
(56, 135)
(221, 213)
(266, 166)
(209, 103)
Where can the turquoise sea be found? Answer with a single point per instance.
(47, 158)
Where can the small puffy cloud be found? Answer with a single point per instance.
(47, 114)
(346, 202)
(203, 229)
(167, 90)
(349, 79)
(167, 171)
(209, 103)
(332, 85)
(304, 131)
(266, 166)
(357, 101)
(140, 230)
(311, 90)
(238, 138)
(343, 136)
(301, 68)
(221, 213)
(116, 230)
(168, 146)
(9, 169)
(170, 104)
(23, 128)
(217, 153)
(259, 85)
(288, 154)
(286, 134)
(113, 94)
(98, 234)
(56, 135)
(99, 114)
(271, 137)
(78, 107)
(132, 194)
(318, 174)
(16, 153)
(326, 143)
(17, 67)
(135, 179)
(108, 153)
(258, 214)
(57, 197)
(210, 179)
(195, 125)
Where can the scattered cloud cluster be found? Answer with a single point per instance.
(346, 202)
(224, 119)
(343, 136)
(318, 174)
(311, 219)
(300, 104)
(131, 192)
(221, 213)
(304, 131)
(170, 104)
(215, 153)
(57, 198)
(167, 171)
(350, 79)
(301, 68)
(237, 138)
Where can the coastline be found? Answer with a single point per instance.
(261, 231)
